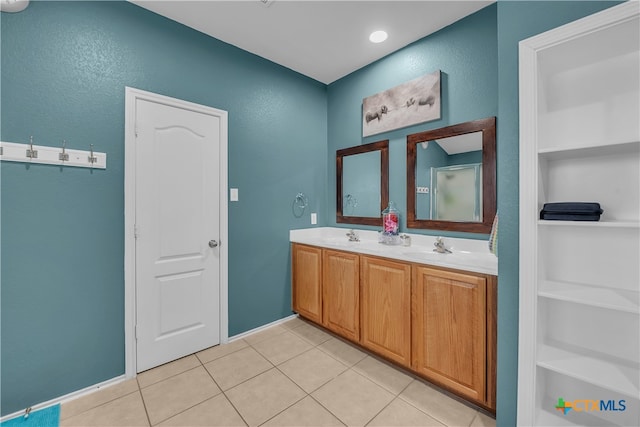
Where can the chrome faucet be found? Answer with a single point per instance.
(353, 237)
(440, 248)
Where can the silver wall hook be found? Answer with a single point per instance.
(92, 158)
(31, 153)
(64, 156)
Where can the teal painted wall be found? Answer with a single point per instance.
(517, 21)
(65, 66)
(466, 52)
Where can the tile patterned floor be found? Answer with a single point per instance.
(292, 374)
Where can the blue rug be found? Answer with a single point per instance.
(46, 417)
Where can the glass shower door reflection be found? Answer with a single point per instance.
(457, 194)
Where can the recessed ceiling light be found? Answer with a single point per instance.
(13, 5)
(378, 36)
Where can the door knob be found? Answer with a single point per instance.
(213, 243)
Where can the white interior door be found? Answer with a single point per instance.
(177, 229)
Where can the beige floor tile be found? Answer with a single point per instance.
(167, 370)
(313, 334)
(265, 334)
(178, 393)
(400, 414)
(305, 413)
(231, 370)
(125, 411)
(482, 420)
(216, 411)
(221, 350)
(293, 323)
(383, 374)
(264, 396)
(438, 405)
(312, 369)
(97, 398)
(354, 399)
(345, 353)
(282, 347)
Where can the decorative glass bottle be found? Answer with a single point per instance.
(391, 225)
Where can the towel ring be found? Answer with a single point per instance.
(300, 203)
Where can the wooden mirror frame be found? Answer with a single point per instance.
(383, 147)
(489, 199)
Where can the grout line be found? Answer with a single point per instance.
(95, 406)
(223, 392)
(380, 411)
(327, 409)
(293, 404)
(252, 377)
(169, 377)
(224, 355)
(235, 409)
(144, 405)
(306, 394)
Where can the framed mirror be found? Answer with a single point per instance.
(362, 178)
(451, 177)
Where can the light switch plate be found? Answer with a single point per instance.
(314, 218)
(233, 194)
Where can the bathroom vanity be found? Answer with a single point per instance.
(431, 313)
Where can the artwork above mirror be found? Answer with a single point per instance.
(362, 178)
(451, 177)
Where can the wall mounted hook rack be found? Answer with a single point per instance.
(29, 153)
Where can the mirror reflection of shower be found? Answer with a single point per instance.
(462, 197)
(449, 178)
(457, 192)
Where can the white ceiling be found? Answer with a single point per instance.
(325, 40)
(461, 143)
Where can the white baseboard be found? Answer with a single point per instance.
(261, 328)
(71, 396)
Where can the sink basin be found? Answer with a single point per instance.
(339, 241)
(423, 254)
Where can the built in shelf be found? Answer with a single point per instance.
(569, 151)
(595, 224)
(596, 296)
(580, 142)
(599, 372)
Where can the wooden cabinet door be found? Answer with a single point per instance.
(341, 304)
(386, 308)
(306, 277)
(449, 323)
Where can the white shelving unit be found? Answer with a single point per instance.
(579, 329)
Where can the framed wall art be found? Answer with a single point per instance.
(413, 102)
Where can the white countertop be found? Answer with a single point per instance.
(467, 254)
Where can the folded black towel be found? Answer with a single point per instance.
(571, 211)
